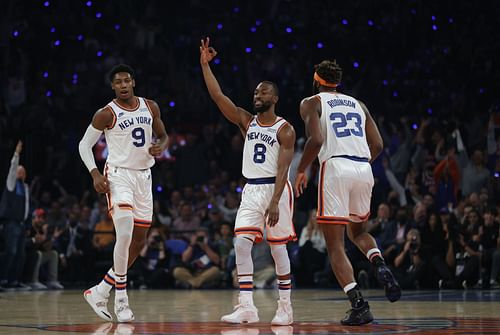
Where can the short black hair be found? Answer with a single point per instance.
(121, 68)
(330, 71)
(275, 87)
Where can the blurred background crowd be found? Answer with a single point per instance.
(425, 70)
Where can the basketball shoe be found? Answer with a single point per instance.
(244, 312)
(122, 310)
(391, 286)
(358, 316)
(284, 314)
(98, 302)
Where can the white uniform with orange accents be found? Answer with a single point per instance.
(128, 163)
(260, 166)
(346, 179)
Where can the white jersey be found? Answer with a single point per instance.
(342, 124)
(130, 136)
(261, 150)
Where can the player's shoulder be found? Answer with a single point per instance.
(153, 106)
(311, 99)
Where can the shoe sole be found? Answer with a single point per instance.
(103, 315)
(364, 322)
(281, 323)
(245, 320)
(391, 286)
(125, 321)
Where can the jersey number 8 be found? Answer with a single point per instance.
(259, 153)
(339, 124)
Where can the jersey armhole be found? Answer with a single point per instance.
(279, 129)
(114, 117)
(149, 107)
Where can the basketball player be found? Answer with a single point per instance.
(267, 197)
(128, 123)
(343, 135)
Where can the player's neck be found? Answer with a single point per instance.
(327, 90)
(129, 102)
(266, 117)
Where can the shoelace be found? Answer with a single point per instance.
(122, 305)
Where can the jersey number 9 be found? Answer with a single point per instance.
(139, 136)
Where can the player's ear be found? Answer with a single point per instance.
(275, 99)
(133, 82)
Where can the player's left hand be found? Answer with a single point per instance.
(272, 214)
(155, 150)
(300, 183)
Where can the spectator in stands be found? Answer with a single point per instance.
(40, 253)
(186, 223)
(154, 261)
(14, 213)
(201, 263)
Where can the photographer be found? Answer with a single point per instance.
(462, 258)
(410, 264)
(201, 263)
(154, 260)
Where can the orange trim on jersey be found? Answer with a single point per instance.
(333, 218)
(249, 122)
(108, 195)
(323, 82)
(142, 223)
(125, 206)
(361, 217)
(278, 131)
(114, 117)
(149, 107)
(251, 230)
(320, 189)
(127, 108)
(332, 222)
(278, 119)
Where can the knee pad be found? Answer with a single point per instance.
(281, 259)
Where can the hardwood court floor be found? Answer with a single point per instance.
(199, 312)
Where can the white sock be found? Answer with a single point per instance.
(107, 283)
(120, 286)
(349, 287)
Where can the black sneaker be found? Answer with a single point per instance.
(391, 286)
(358, 316)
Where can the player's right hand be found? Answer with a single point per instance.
(101, 183)
(206, 53)
(19, 147)
(300, 183)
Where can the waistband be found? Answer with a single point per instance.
(353, 158)
(260, 181)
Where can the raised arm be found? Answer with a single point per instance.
(159, 130)
(310, 109)
(235, 114)
(286, 138)
(103, 118)
(373, 137)
(14, 163)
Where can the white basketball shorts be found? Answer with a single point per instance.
(344, 191)
(131, 190)
(255, 200)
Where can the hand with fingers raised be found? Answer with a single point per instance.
(207, 53)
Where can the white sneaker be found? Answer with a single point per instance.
(98, 302)
(284, 314)
(123, 311)
(242, 314)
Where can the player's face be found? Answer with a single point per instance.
(263, 98)
(123, 85)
